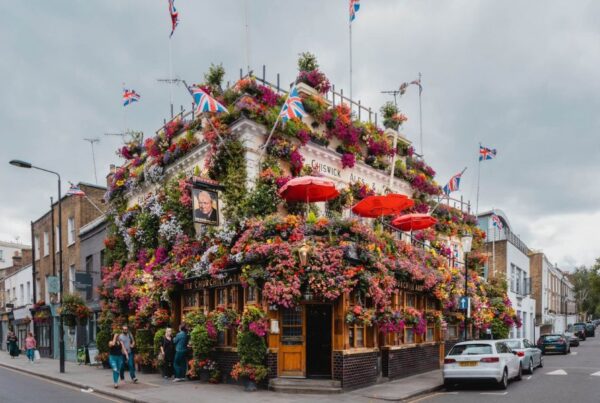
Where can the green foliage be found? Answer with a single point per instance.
(229, 168)
(149, 225)
(158, 337)
(586, 282)
(194, 318)
(172, 203)
(499, 329)
(388, 111)
(263, 199)
(251, 348)
(202, 344)
(307, 62)
(215, 75)
(102, 339)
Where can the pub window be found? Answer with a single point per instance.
(409, 335)
(201, 299)
(411, 300)
(430, 335)
(398, 338)
(452, 332)
(431, 306)
(221, 339)
(233, 297)
(221, 296)
(189, 300)
(291, 326)
(251, 294)
(356, 335)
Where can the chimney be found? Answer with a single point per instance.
(17, 260)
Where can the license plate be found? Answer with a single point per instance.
(550, 347)
(468, 363)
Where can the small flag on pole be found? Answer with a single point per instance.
(292, 108)
(453, 184)
(354, 7)
(205, 103)
(130, 96)
(174, 16)
(496, 222)
(486, 153)
(74, 190)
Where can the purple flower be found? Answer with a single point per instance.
(348, 160)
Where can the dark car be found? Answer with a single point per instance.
(554, 343)
(578, 329)
(590, 330)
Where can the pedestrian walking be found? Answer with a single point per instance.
(30, 346)
(167, 350)
(128, 343)
(13, 347)
(181, 346)
(116, 354)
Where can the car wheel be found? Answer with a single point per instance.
(530, 369)
(519, 374)
(503, 384)
(448, 385)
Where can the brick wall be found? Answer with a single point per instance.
(405, 362)
(226, 361)
(500, 267)
(536, 264)
(355, 370)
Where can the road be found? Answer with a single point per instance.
(17, 387)
(571, 378)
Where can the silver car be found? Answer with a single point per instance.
(530, 356)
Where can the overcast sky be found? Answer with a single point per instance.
(521, 77)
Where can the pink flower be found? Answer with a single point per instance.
(348, 160)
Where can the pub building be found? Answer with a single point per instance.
(313, 339)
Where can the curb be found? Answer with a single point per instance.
(407, 397)
(75, 384)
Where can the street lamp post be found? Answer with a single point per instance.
(61, 331)
(466, 242)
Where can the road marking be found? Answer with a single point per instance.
(433, 395)
(595, 374)
(557, 372)
(573, 352)
(494, 393)
(529, 377)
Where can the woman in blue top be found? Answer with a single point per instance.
(181, 345)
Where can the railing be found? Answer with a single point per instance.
(458, 204)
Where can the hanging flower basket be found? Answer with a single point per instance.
(69, 320)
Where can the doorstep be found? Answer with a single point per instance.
(305, 385)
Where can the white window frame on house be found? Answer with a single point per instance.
(28, 293)
(71, 231)
(22, 299)
(56, 240)
(37, 247)
(1, 255)
(46, 243)
(72, 279)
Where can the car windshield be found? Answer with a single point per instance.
(551, 338)
(513, 344)
(471, 349)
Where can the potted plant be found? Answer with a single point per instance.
(252, 348)
(102, 339)
(73, 309)
(144, 356)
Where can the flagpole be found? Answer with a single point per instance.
(247, 37)
(420, 115)
(493, 248)
(350, 30)
(478, 178)
(264, 146)
(171, 75)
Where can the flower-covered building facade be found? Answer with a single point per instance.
(270, 288)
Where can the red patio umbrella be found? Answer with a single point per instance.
(376, 206)
(308, 189)
(413, 222)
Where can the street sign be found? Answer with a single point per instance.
(53, 286)
(463, 302)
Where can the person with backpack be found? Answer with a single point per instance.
(128, 343)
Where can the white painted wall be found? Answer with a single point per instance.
(14, 282)
(524, 305)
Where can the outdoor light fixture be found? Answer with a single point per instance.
(61, 328)
(20, 164)
(303, 254)
(467, 241)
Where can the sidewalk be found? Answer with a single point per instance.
(152, 388)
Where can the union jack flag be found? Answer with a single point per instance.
(354, 7)
(292, 108)
(486, 153)
(174, 16)
(130, 96)
(496, 222)
(74, 190)
(205, 103)
(453, 184)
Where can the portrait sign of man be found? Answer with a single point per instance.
(206, 206)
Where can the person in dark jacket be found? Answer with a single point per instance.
(13, 347)
(181, 345)
(167, 349)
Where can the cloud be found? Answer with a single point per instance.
(517, 76)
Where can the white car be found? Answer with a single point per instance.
(481, 360)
